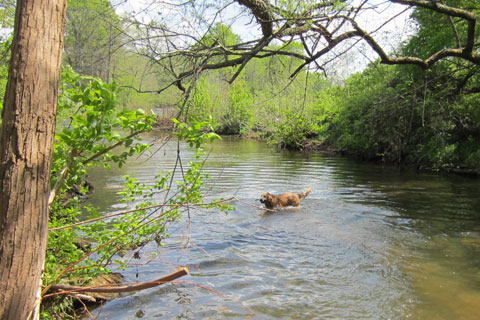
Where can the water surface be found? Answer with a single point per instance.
(369, 242)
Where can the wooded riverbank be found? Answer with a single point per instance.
(81, 86)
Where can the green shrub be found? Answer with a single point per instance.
(294, 131)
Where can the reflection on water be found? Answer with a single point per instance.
(370, 242)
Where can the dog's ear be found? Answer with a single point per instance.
(269, 197)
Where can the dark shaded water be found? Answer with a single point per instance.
(370, 242)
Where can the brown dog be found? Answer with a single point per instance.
(283, 200)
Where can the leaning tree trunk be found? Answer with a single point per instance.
(26, 144)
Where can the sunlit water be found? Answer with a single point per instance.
(369, 242)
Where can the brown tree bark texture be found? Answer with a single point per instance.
(26, 144)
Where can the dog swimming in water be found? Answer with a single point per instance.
(272, 201)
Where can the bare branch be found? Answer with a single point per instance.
(120, 288)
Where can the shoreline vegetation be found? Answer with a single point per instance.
(315, 145)
(399, 114)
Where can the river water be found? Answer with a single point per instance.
(369, 242)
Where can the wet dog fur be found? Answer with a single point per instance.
(272, 201)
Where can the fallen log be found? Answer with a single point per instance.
(66, 289)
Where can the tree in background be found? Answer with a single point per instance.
(7, 13)
(92, 37)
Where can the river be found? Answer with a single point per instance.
(369, 242)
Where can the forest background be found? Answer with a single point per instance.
(403, 114)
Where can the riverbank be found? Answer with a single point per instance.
(319, 145)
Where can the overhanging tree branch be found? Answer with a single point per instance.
(320, 28)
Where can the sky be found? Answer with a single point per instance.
(147, 10)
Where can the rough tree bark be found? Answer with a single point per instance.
(26, 144)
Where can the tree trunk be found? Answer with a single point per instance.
(26, 144)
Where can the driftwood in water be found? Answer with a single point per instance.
(119, 288)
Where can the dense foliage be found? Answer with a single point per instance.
(385, 114)
(262, 100)
(402, 114)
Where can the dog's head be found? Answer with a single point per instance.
(266, 198)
